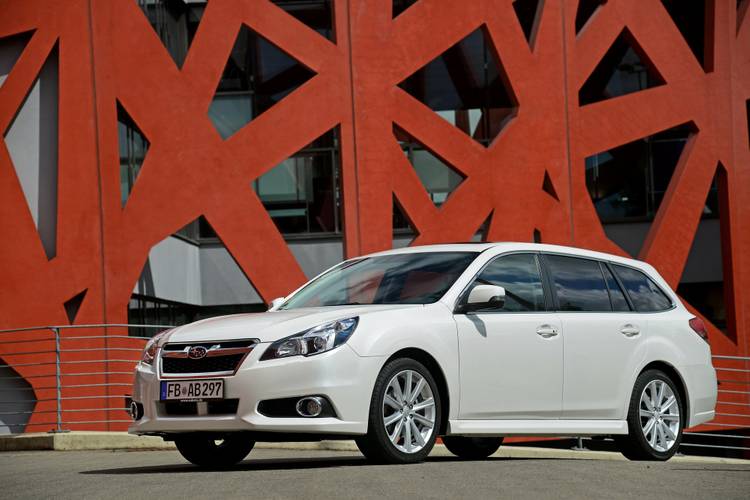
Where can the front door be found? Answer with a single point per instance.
(511, 358)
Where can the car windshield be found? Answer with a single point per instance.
(406, 278)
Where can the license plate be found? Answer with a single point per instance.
(192, 390)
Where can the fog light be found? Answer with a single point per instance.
(310, 406)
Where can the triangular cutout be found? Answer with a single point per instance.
(627, 183)
(317, 14)
(73, 304)
(438, 177)
(484, 229)
(548, 187)
(466, 86)
(186, 279)
(747, 117)
(257, 75)
(175, 23)
(11, 48)
(708, 290)
(401, 5)
(694, 19)
(133, 147)
(586, 9)
(36, 122)
(300, 192)
(528, 13)
(743, 6)
(404, 232)
(624, 69)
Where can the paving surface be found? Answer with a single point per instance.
(275, 473)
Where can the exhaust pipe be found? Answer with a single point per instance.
(310, 407)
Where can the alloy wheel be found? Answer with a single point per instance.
(409, 411)
(659, 414)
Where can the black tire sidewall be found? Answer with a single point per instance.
(377, 443)
(636, 442)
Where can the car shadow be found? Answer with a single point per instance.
(275, 464)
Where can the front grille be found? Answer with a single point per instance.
(190, 408)
(210, 364)
(219, 344)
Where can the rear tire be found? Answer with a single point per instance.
(405, 414)
(655, 419)
(207, 451)
(472, 448)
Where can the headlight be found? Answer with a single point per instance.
(152, 347)
(313, 341)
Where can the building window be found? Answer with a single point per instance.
(317, 14)
(133, 147)
(175, 23)
(438, 178)
(302, 194)
(146, 310)
(467, 87)
(257, 75)
(627, 183)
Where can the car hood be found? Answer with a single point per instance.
(273, 325)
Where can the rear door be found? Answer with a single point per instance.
(603, 338)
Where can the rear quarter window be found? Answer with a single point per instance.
(643, 292)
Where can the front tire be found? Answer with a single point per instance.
(472, 448)
(405, 414)
(207, 451)
(655, 419)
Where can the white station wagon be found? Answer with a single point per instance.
(471, 342)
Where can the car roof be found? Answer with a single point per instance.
(514, 246)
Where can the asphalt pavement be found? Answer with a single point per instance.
(273, 473)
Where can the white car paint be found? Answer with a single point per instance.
(502, 376)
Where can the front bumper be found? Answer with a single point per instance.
(340, 375)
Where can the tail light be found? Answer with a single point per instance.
(699, 327)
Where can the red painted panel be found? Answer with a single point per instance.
(108, 52)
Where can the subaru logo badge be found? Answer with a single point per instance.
(197, 352)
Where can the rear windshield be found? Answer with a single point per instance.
(407, 278)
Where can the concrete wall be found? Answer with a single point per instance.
(207, 275)
(32, 143)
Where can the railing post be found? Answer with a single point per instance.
(58, 378)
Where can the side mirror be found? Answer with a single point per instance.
(275, 303)
(485, 297)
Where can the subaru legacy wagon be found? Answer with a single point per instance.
(468, 342)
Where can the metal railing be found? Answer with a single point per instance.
(725, 431)
(69, 370)
(87, 371)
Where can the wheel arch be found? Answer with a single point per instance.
(676, 377)
(437, 372)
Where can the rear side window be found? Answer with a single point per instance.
(578, 283)
(643, 292)
(519, 275)
(619, 302)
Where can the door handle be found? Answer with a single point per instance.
(546, 331)
(630, 330)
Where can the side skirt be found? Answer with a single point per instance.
(537, 427)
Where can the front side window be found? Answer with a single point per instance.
(643, 292)
(407, 278)
(579, 284)
(519, 275)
